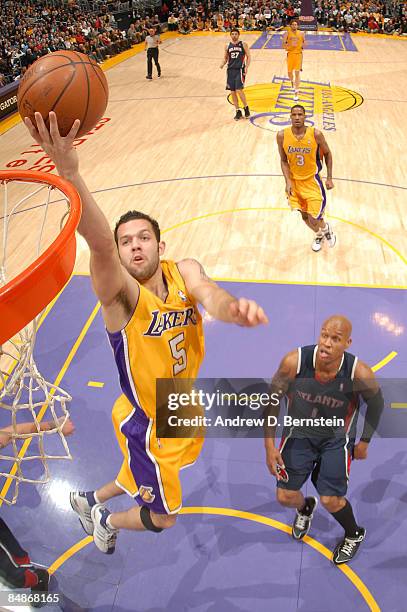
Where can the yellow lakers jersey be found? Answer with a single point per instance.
(303, 155)
(294, 41)
(161, 340)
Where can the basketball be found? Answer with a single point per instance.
(69, 83)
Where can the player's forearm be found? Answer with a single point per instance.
(7, 433)
(93, 225)
(285, 168)
(329, 164)
(375, 407)
(22, 429)
(270, 416)
(269, 439)
(217, 304)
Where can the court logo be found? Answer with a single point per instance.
(272, 103)
(146, 494)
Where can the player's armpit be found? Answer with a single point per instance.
(110, 280)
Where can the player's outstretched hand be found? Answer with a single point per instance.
(247, 313)
(59, 148)
(329, 183)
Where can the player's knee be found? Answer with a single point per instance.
(285, 498)
(332, 503)
(163, 521)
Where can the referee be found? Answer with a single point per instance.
(151, 45)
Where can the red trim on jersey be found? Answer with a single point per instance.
(349, 461)
(22, 560)
(351, 411)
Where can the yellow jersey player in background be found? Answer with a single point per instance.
(150, 309)
(293, 43)
(301, 151)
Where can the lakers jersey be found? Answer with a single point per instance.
(295, 41)
(161, 340)
(302, 155)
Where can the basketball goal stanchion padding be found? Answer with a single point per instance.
(23, 389)
(25, 296)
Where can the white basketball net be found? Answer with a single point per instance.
(25, 395)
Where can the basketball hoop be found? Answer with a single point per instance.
(22, 299)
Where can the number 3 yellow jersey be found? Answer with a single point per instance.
(302, 155)
(161, 340)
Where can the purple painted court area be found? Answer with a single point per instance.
(211, 562)
(323, 41)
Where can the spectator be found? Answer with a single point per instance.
(372, 25)
(172, 23)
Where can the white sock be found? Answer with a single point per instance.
(97, 500)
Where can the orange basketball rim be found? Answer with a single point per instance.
(26, 295)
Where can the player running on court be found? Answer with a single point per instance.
(237, 58)
(150, 309)
(301, 151)
(293, 43)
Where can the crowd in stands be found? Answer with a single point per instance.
(31, 28)
(363, 16)
(248, 15)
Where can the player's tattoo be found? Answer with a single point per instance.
(202, 272)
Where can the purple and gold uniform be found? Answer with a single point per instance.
(295, 42)
(308, 193)
(161, 340)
